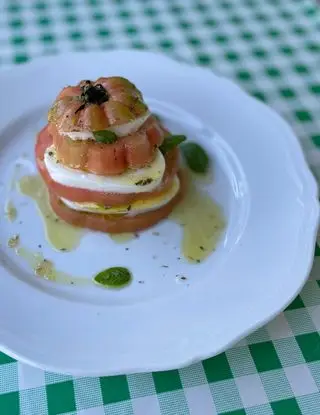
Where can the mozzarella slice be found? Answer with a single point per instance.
(135, 208)
(120, 130)
(141, 180)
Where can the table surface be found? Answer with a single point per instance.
(271, 48)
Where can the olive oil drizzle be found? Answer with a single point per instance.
(122, 238)
(10, 211)
(201, 219)
(44, 268)
(59, 234)
(202, 222)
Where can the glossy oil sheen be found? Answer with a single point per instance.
(59, 234)
(202, 222)
(10, 211)
(44, 268)
(122, 238)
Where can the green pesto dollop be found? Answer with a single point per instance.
(115, 277)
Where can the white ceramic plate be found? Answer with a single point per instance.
(261, 179)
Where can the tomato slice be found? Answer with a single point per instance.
(115, 223)
(74, 194)
(133, 151)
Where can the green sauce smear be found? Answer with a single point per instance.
(115, 277)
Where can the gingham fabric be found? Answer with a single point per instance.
(271, 48)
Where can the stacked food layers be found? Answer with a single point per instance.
(108, 163)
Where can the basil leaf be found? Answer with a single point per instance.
(196, 157)
(157, 117)
(115, 277)
(105, 136)
(171, 142)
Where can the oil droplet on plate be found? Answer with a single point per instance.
(122, 237)
(14, 241)
(10, 211)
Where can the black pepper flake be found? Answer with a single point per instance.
(39, 246)
(63, 249)
(127, 249)
(141, 282)
(82, 106)
(136, 235)
(56, 220)
(50, 153)
(164, 266)
(198, 261)
(202, 248)
(181, 277)
(129, 208)
(144, 182)
(72, 283)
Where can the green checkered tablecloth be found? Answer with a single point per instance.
(270, 47)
